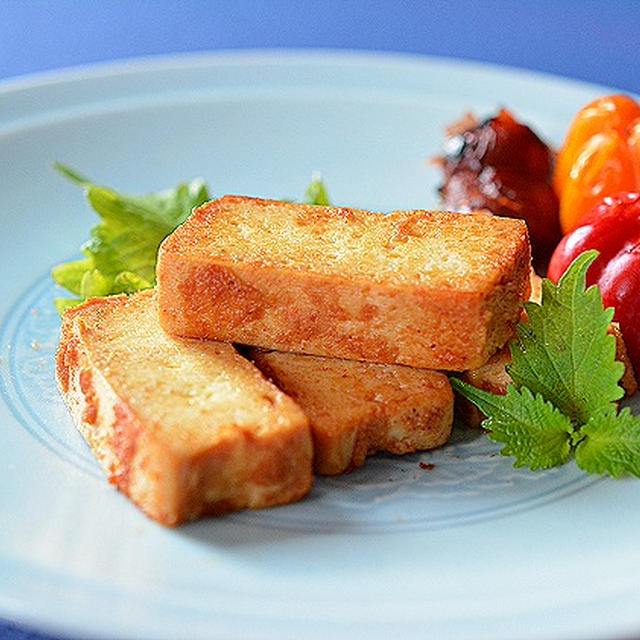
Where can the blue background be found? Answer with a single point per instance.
(589, 39)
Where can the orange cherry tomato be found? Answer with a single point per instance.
(599, 157)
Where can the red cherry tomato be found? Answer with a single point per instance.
(613, 228)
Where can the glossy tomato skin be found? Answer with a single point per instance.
(613, 229)
(609, 227)
(610, 114)
(620, 286)
(599, 157)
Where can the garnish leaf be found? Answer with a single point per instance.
(316, 192)
(72, 174)
(120, 255)
(65, 303)
(563, 351)
(610, 444)
(69, 275)
(532, 429)
(565, 385)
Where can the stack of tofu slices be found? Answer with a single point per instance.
(284, 340)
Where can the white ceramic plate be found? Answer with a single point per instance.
(470, 548)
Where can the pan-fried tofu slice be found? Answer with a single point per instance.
(435, 290)
(183, 427)
(358, 408)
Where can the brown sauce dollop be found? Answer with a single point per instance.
(502, 166)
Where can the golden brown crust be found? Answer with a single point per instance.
(358, 408)
(425, 289)
(184, 428)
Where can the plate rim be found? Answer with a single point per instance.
(143, 64)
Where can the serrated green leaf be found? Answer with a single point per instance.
(563, 351)
(533, 431)
(610, 444)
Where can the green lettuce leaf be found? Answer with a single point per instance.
(120, 255)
